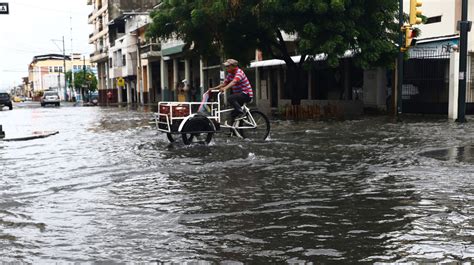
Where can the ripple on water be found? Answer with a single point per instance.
(109, 189)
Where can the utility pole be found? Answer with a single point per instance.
(398, 105)
(140, 82)
(64, 71)
(73, 89)
(83, 77)
(465, 27)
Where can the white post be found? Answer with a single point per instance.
(453, 86)
(201, 76)
(164, 80)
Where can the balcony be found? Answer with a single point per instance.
(99, 56)
(96, 13)
(150, 50)
(151, 47)
(97, 35)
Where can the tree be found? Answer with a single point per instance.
(236, 28)
(83, 79)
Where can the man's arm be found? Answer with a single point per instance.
(218, 86)
(225, 87)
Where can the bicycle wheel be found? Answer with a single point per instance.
(261, 131)
(189, 138)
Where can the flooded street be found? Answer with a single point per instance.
(109, 188)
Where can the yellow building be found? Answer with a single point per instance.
(46, 72)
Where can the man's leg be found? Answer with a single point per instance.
(235, 101)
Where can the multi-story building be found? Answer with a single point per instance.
(46, 72)
(99, 39)
(114, 41)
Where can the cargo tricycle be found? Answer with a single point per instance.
(200, 121)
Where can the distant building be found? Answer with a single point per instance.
(46, 72)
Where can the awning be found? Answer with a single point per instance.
(296, 59)
(172, 50)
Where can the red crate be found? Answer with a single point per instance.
(164, 109)
(181, 110)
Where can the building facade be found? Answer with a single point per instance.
(46, 72)
(115, 40)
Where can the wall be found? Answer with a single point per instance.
(375, 88)
(432, 8)
(117, 7)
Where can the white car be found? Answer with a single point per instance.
(50, 98)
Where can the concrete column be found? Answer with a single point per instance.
(175, 79)
(201, 76)
(119, 93)
(140, 84)
(129, 92)
(187, 75)
(280, 85)
(149, 83)
(453, 86)
(310, 84)
(347, 80)
(164, 80)
(375, 91)
(258, 85)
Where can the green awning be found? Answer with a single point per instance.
(172, 50)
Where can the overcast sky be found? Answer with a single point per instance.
(30, 28)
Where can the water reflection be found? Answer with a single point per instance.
(453, 154)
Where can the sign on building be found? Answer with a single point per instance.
(4, 10)
(120, 82)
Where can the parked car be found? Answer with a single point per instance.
(6, 101)
(50, 98)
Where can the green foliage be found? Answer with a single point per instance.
(81, 78)
(234, 28)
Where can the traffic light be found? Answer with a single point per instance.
(415, 13)
(410, 35)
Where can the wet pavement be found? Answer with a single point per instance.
(108, 188)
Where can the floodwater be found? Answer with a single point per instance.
(108, 188)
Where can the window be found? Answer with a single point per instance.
(124, 60)
(432, 20)
(110, 63)
(60, 69)
(56, 69)
(51, 69)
